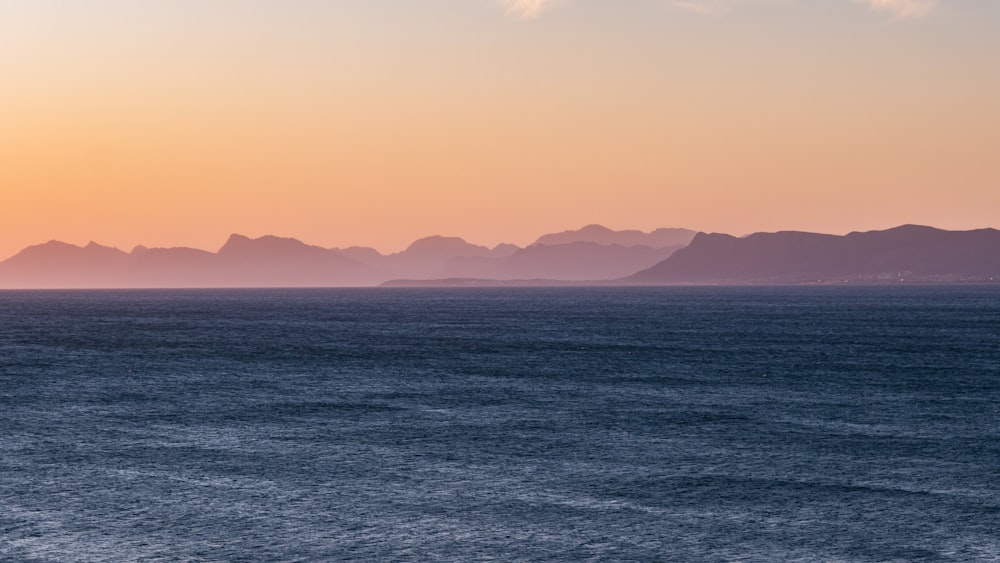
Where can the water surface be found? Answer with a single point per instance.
(756, 424)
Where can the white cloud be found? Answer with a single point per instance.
(903, 8)
(527, 9)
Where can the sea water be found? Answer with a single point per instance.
(646, 424)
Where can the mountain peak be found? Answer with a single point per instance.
(599, 234)
(54, 244)
(235, 240)
(95, 247)
(443, 244)
(241, 242)
(594, 228)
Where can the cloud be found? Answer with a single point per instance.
(527, 9)
(903, 8)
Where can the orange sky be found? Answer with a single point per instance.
(378, 122)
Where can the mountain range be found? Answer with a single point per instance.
(592, 255)
(907, 253)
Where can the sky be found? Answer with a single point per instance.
(375, 122)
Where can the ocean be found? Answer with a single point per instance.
(819, 423)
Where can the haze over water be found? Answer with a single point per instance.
(819, 423)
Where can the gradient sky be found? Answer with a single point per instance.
(375, 122)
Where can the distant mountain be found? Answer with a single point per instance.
(362, 254)
(64, 265)
(660, 238)
(286, 262)
(576, 261)
(268, 261)
(243, 262)
(172, 267)
(907, 253)
(592, 253)
(427, 257)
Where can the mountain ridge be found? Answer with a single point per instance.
(913, 253)
(275, 261)
(658, 238)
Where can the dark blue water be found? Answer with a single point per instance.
(857, 424)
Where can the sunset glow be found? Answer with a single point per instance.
(374, 123)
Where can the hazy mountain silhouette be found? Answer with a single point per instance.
(576, 261)
(286, 262)
(172, 267)
(427, 257)
(660, 238)
(64, 265)
(362, 254)
(906, 253)
(242, 262)
(592, 253)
